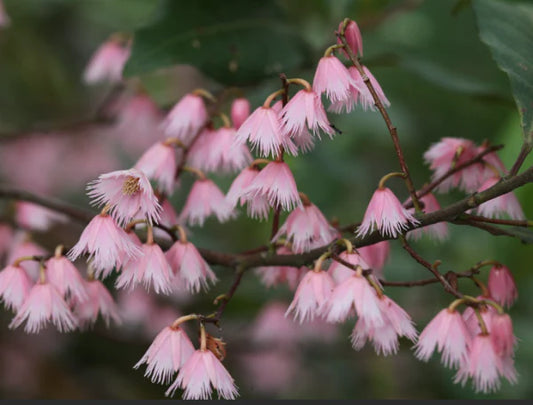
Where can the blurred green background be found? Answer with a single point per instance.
(441, 81)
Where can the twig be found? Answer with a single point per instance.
(524, 152)
(512, 222)
(239, 272)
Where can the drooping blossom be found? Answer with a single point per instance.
(275, 182)
(353, 37)
(502, 286)
(339, 272)
(502, 335)
(205, 199)
(168, 352)
(257, 206)
(65, 277)
(376, 256)
(186, 118)
(107, 62)
(159, 163)
(15, 286)
(240, 110)
(23, 246)
(365, 97)
(501, 206)
(494, 163)
(44, 305)
(311, 296)
(36, 217)
(332, 77)
(99, 301)
(447, 333)
(386, 214)
(273, 275)
(438, 231)
(471, 319)
(168, 218)
(264, 132)
(105, 243)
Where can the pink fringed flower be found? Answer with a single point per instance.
(15, 286)
(65, 277)
(23, 246)
(494, 162)
(205, 199)
(438, 231)
(502, 335)
(274, 275)
(189, 267)
(159, 164)
(333, 78)
(186, 118)
(365, 97)
(107, 62)
(240, 110)
(447, 333)
(275, 182)
(376, 256)
(202, 373)
(311, 296)
(506, 204)
(257, 207)
(502, 286)
(264, 132)
(99, 301)
(150, 269)
(166, 355)
(353, 37)
(35, 217)
(386, 214)
(305, 111)
(105, 243)
(307, 228)
(44, 304)
(339, 272)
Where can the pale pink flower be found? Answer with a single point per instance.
(274, 275)
(311, 296)
(305, 111)
(5, 21)
(128, 193)
(15, 286)
(501, 333)
(353, 37)
(304, 141)
(448, 333)
(186, 118)
(386, 214)
(44, 304)
(271, 326)
(23, 246)
(472, 322)
(502, 286)
(105, 243)
(365, 97)
(306, 228)
(257, 207)
(189, 267)
(168, 218)
(240, 110)
(169, 351)
(264, 132)
(159, 163)
(354, 94)
(275, 182)
(494, 162)
(125, 257)
(65, 277)
(202, 373)
(199, 154)
(150, 269)
(107, 62)
(99, 301)
(35, 217)
(332, 77)
(438, 231)
(206, 199)
(339, 272)
(499, 207)
(376, 256)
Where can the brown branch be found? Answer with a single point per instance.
(512, 222)
(524, 152)
(215, 318)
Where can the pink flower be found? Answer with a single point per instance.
(159, 163)
(169, 351)
(494, 162)
(105, 243)
(99, 301)
(264, 132)
(386, 214)
(311, 296)
(240, 110)
(304, 141)
(186, 118)
(355, 91)
(15, 286)
(257, 207)
(333, 78)
(501, 333)
(274, 275)
(506, 204)
(275, 182)
(376, 256)
(151, 268)
(66, 278)
(502, 286)
(189, 267)
(202, 373)
(23, 246)
(305, 110)
(35, 217)
(339, 272)
(128, 193)
(449, 334)
(307, 228)
(44, 304)
(438, 231)
(107, 62)
(353, 37)
(271, 326)
(365, 97)
(205, 199)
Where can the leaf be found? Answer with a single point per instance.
(236, 43)
(507, 29)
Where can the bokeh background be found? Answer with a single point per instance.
(441, 81)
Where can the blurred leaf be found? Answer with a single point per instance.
(507, 29)
(235, 43)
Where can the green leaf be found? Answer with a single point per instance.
(507, 29)
(235, 43)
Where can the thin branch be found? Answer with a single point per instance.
(225, 299)
(512, 222)
(524, 152)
